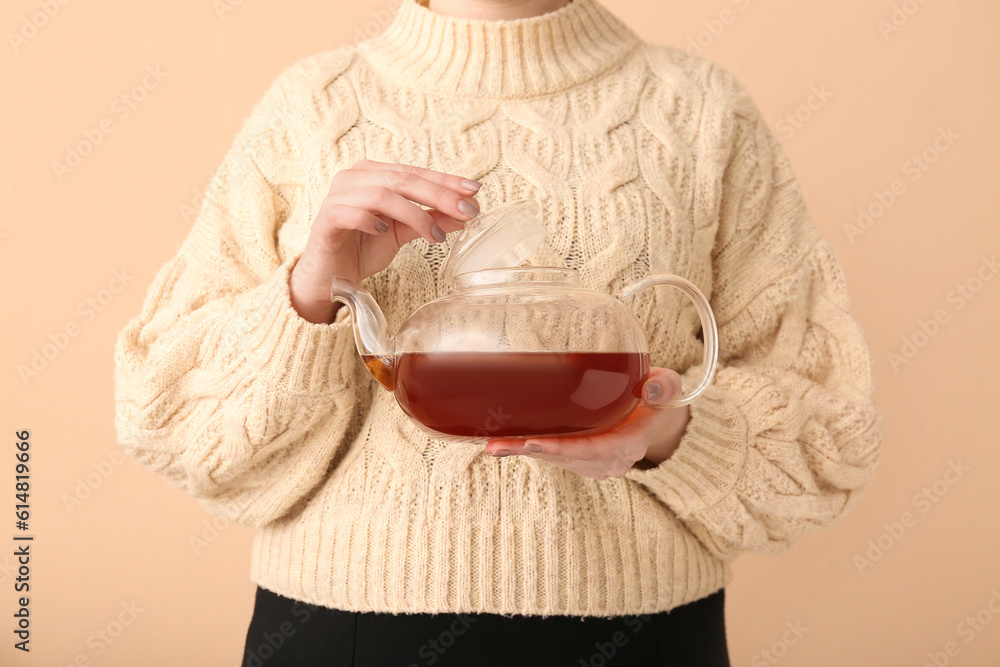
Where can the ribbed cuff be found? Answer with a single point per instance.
(290, 352)
(709, 459)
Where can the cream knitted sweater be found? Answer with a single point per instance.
(646, 160)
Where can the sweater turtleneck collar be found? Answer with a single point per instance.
(501, 60)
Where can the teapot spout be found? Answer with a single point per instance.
(371, 335)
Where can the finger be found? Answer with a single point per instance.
(609, 464)
(460, 184)
(406, 234)
(411, 185)
(598, 456)
(512, 445)
(346, 218)
(552, 449)
(382, 201)
(662, 385)
(581, 449)
(446, 222)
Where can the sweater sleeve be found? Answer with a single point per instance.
(220, 386)
(786, 437)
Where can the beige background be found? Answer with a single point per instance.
(128, 205)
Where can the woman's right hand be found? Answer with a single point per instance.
(370, 212)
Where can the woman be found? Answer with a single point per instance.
(377, 545)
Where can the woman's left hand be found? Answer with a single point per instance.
(651, 432)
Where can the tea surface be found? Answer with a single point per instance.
(499, 394)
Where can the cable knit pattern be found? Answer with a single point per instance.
(646, 160)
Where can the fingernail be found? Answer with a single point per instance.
(468, 209)
(533, 448)
(438, 234)
(501, 452)
(381, 225)
(469, 184)
(653, 391)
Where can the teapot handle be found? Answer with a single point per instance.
(708, 328)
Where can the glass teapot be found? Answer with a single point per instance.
(515, 351)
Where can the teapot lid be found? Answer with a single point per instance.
(502, 237)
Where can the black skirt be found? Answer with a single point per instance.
(290, 633)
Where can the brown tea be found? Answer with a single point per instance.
(508, 394)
